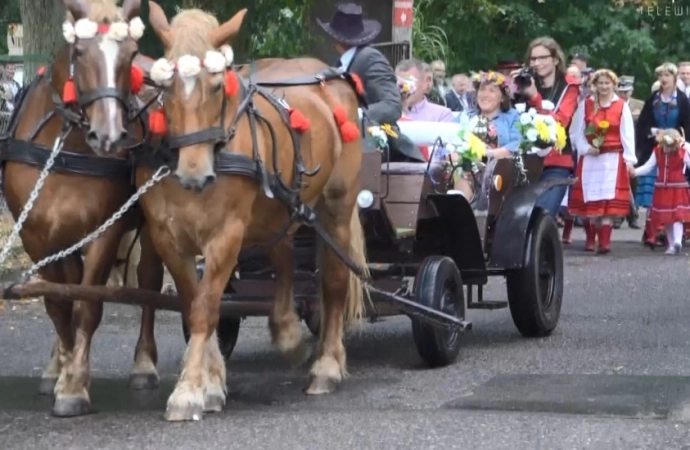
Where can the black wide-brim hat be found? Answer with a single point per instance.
(349, 27)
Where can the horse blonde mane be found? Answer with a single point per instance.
(189, 30)
(102, 11)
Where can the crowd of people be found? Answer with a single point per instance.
(10, 89)
(624, 153)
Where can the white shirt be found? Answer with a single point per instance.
(347, 58)
(627, 129)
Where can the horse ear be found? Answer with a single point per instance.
(131, 9)
(159, 23)
(78, 8)
(228, 30)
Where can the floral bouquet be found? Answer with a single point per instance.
(597, 131)
(407, 86)
(380, 134)
(541, 133)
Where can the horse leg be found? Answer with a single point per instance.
(283, 321)
(72, 396)
(60, 313)
(201, 386)
(341, 295)
(150, 276)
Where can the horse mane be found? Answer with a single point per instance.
(189, 30)
(102, 11)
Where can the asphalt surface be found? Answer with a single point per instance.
(615, 374)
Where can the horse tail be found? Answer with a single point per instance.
(354, 304)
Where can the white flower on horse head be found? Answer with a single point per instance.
(547, 105)
(214, 62)
(86, 29)
(162, 71)
(532, 135)
(188, 66)
(68, 32)
(525, 119)
(228, 53)
(521, 107)
(136, 28)
(118, 31)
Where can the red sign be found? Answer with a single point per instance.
(402, 14)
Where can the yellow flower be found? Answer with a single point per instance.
(543, 130)
(561, 137)
(604, 125)
(477, 146)
(388, 129)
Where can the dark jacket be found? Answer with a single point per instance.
(644, 143)
(453, 102)
(384, 104)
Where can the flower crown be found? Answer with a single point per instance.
(189, 66)
(479, 78)
(88, 29)
(604, 73)
(407, 85)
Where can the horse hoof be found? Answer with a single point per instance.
(186, 412)
(71, 406)
(143, 381)
(214, 403)
(320, 385)
(47, 386)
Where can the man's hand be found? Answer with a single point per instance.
(631, 170)
(531, 90)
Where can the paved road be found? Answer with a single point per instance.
(615, 374)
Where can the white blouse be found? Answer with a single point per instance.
(581, 145)
(647, 167)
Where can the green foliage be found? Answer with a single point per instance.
(285, 36)
(430, 42)
(9, 13)
(619, 37)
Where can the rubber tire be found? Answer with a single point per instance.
(527, 308)
(313, 322)
(435, 275)
(228, 327)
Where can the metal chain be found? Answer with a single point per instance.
(33, 196)
(161, 173)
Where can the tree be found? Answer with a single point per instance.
(42, 21)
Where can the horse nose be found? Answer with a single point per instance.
(208, 180)
(92, 139)
(196, 184)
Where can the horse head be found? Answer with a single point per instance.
(98, 76)
(200, 88)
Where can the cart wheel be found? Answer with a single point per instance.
(228, 327)
(313, 322)
(438, 285)
(535, 292)
(228, 330)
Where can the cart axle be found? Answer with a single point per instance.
(429, 315)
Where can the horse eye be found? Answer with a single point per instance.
(216, 88)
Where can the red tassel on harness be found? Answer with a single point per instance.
(69, 92)
(41, 70)
(232, 84)
(359, 88)
(298, 121)
(348, 130)
(136, 79)
(157, 122)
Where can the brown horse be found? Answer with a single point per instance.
(198, 212)
(93, 72)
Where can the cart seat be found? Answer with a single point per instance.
(404, 168)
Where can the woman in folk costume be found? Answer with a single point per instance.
(671, 202)
(603, 135)
(667, 107)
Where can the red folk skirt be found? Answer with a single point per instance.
(617, 206)
(670, 204)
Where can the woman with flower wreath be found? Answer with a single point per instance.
(496, 122)
(667, 107)
(603, 135)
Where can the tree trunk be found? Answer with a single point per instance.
(42, 21)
